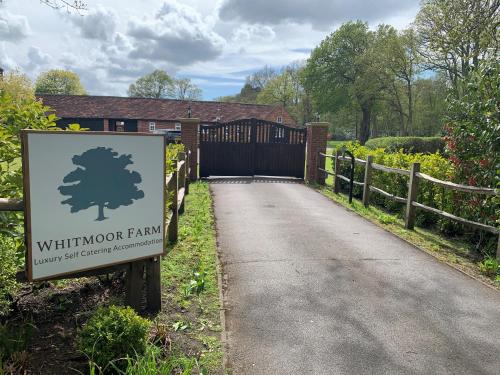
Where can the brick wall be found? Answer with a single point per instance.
(316, 142)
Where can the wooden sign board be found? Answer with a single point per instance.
(92, 199)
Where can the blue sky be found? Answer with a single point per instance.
(216, 43)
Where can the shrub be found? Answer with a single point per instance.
(426, 145)
(429, 194)
(173, 150)
(21, 112)
(14, 339)
(489, 266)
(10, 262)
(473, 143)
(114, 334)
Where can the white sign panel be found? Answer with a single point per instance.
(92, 200)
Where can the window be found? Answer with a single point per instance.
(177, 126)
(279, 119)
(152, 126)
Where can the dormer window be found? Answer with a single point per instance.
(279, 119)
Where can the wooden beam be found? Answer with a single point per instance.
(8, 204)
(458, 187)
(447, 215)
(173, 226)
(134, 283)
(383, 168)
(412, 196)
(388, 195)
(153, 285)
(367, 181)
(336, 180)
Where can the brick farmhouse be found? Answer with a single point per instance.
(105, 113)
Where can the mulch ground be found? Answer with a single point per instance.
(53, 313)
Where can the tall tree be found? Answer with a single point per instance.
(157, 84)
(457, 34)
(59, 82)
(259, 79)
(184, 89)
(345, 66)
(400, 55)
(17, 85)
(278, 91)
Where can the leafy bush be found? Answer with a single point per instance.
(473, 143)
(426, 145)
(429, 194)
(10, 261)
(173, 150)
(489, 266)
(13, 339)
(114, 334)
(15, 114)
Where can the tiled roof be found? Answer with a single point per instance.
(112, 107)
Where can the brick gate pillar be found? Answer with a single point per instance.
(316, 142)
(106, 125)
(190, 139)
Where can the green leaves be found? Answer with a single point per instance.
(114, 333)
(59, 82)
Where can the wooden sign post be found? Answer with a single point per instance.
(94, 201)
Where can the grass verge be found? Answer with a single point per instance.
(449, 250)
(191, 306)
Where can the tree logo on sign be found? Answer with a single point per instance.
(103, 180)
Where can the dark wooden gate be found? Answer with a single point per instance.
(252, 147)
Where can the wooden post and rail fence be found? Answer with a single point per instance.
(143, 275)
(414, 176)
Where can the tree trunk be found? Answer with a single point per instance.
(409, 127)
(364, 131)
(101, 213)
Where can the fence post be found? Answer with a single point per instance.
(336, 180)
(498, 248)
(182, 179)
(153, 284)
(174, 221)
(186, 179)
(412, 196)
(367, 181)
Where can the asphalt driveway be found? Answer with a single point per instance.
(315, 289)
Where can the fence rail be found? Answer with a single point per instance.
(8, 204)
(411, 204)
(176, 184)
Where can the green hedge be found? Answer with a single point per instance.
(461, 204)
(426, 145)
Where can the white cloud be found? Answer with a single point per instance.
(13, 27)
(321, 14)
(99, 23)
(177, 34)
(215, 42)
(253, 33)
(6, 62)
